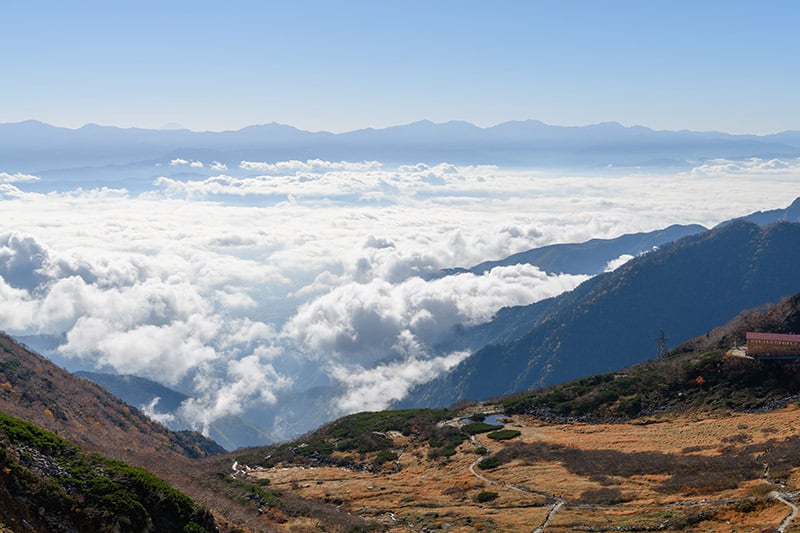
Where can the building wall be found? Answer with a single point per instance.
(772, 347)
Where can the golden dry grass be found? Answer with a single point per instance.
(441, 494)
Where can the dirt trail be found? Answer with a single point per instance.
(556, 506)
(558, 501)
(783, 497)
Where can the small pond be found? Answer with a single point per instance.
(494, 420)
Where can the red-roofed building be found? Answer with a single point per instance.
(774, 345)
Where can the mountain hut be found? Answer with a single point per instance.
(773, 345)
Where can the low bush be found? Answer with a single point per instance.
(57, 476)
(384, 456)
(475, 428)
(603, 496)
(483, 497)
(490, 462)
(691, 474)
(504, 434)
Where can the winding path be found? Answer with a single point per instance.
(783, 497)
(559, 502)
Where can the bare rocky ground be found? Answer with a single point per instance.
(729, 472)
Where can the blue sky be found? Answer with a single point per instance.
(337, 66)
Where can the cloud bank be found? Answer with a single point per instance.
(322, 277)
(17, 177)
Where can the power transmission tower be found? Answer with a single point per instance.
(661, 341)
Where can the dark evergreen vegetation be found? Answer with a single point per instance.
(54, 485)
(697, 375)
(612, 321)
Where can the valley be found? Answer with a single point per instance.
(696, 440)
(399, 267)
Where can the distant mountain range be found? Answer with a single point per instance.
(613, 320)
(35, 146)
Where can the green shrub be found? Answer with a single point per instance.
(483, 497)
(490, 462)
(384, 456)
(103, 489)
(504, 434)
(474, 428)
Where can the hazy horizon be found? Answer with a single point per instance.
(180, 127)
(348, 65)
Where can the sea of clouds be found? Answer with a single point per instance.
(264, 279)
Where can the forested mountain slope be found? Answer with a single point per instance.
(613, 320)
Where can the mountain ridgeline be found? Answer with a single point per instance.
(34, 389)
(590, 257)
(42, 147)
(684, 289)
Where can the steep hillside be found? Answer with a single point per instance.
(699, 376)
(781, 317)
(36, 390)
(47, 484)
(613, 320)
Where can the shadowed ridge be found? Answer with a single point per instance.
(612, 321)
(33, 388)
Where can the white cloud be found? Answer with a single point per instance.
(618, 262)
(311, 165)
(164, 352)
(150, 411)
(186, 285)
(374, 389)
(248, 379)
(185, 162)
(17, 177)
(364, 182)
(10, 192)
(219, 167)
(750, 166)
(370, 321)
